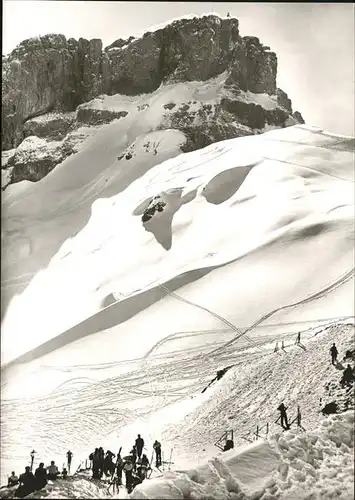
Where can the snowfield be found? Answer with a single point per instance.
(122, 321)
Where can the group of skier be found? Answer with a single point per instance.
(28, 482)
(135, 466)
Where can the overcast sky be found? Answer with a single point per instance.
(314, 42)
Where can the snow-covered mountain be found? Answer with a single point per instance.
(197, 76)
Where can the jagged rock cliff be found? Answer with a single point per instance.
(51, 74)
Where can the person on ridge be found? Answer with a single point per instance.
(334, 353)
(13, 479)
(139, 445)
(282, 409)
(41, 476)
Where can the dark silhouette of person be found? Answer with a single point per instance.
(128, 470)
(157, 449)
(100, 461)
(13, 479)
(229, 445)
(348, 376)
(133, 455)
(139, 445)
(41, 476)
(27, 483)
(69, 458)
(334, 353)
(95, 463)
(284, 423)
(142, 467)
(64, 473)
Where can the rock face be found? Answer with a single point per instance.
(53, 76)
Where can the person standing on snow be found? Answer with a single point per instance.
(139, 445)
(282, 409)
(13, 479)
(334, 353)
(69, 457)
(128, 470)
(41, 476)
(157, 449)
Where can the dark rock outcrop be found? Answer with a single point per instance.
(51, 73)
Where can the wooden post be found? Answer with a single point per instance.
(276, 347)
(267, 428)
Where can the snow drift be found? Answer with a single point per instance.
(292, 465)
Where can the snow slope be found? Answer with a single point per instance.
(130, 318)
(287, 192)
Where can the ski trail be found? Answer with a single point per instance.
(338, 282)
(225, 321)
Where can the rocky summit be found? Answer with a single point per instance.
(52, 86)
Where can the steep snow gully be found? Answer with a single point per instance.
(206, 260)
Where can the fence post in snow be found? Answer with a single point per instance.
(282, 345)
(276, 347)
(267, 428)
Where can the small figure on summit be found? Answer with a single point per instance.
(334, 353)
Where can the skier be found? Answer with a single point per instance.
(53, 471)
(298, 340)
(334, 353)
(27, 483)
(282, 409)
(139, 445)
(348, 376)
(95, 463)
(12, 480)
(100, 461)
(41, 476)
(128, 470)
(143, 466)
(157, 449)
(133, 455)
(69, 457)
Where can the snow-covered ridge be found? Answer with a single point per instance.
(292, 465)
